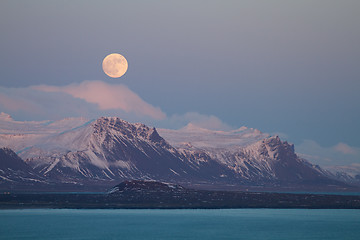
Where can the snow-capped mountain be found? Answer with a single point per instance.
(251, 154)
(192, 136)
(110, 149)
(13, 170)
(46, 135)
(349, 174)
(107, 149)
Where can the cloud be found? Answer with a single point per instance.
(345, 149)
(30, 104)
(90, 99)
(93, 99)
(211, 122)
(10, 103)
(107, 97)
(339, 154)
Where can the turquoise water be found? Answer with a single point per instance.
(180, 224)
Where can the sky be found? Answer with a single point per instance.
(290, 68)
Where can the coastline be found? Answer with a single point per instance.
(194, 199)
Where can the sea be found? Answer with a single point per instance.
(289, 224)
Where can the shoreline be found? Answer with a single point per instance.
(174, 200)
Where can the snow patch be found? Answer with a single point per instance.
(174, 172)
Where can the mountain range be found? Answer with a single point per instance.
(105, 151)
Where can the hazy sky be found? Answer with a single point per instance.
(285, 67)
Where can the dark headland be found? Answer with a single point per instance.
(159, 195)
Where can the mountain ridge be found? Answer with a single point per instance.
(110, 149)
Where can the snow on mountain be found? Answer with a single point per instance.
(192, 136)
(45, 135)
(110, 148)
(349, 173)
(13, 170)
(254, 156)
(5, 117)
(107, 149)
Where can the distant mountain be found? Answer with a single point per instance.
(252, 155)
(109, 149)
(349, 174)
(194, 137)
(14, 171)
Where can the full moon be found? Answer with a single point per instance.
(115, 65)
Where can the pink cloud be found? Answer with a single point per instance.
(197, 119)
(107, 97)
(15, 104)
(345, 149)
(339, 154)
(207, 122)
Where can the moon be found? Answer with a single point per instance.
(115, 65)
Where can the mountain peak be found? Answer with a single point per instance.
(14, 170)
(115, 125)
(276, 147)
(154, 136)
(273, 139)
(110, 148)
(5, 117)
(190, 127)
(241, 129)
(8, 151)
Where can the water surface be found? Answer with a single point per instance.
(180, 224)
